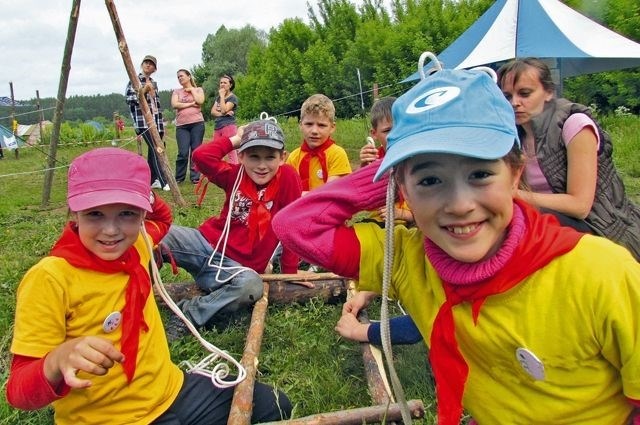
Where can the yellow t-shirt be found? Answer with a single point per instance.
(578, 316)
(58, 302)
(337, 164)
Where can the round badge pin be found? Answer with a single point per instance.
(112, 322)
(530, 363)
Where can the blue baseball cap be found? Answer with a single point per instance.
(451, 111)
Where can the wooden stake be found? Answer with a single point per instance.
(62, 90)
(135, 82)
(373, 363)
(359, 416)
(242, 404)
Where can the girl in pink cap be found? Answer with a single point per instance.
(526, 321)
(88, 336)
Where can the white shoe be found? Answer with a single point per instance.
(166, 187)
(156, 184)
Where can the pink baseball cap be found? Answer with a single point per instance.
(109, 176)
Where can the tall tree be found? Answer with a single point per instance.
(274, 81)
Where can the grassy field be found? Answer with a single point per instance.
(301, 354)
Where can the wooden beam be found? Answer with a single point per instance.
(135, 82)
(242, 404)
(280, 292)
(359, 416)
(300, 277)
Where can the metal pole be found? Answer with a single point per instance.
(14, 124)
(361, 97)
(40, 115)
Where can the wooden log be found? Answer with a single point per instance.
(373, 363)
(280, 292)
(359, 416)
(242, 403)
(300, 277)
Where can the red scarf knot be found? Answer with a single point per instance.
(138, 288)
(259, 220)
(541, 241)
(305, 162)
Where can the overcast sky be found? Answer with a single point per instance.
(33, 34)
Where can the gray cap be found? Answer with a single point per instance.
(262, 133)
(151, 59)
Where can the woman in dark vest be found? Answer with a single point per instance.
(569, 167)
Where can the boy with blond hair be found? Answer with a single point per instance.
(319, 159)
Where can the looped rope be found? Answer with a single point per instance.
(212, 366)
(265, 116)
(436, 67)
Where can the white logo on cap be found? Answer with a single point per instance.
(432, 99)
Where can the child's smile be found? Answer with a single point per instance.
(462, 204)
(261, 163)
(109, 230)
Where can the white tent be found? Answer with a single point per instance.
(545, 29)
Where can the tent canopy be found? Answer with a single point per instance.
(546, 29)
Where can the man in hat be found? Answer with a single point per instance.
(150, 89)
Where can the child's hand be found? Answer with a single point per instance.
(237, 138)
(90, 354)
(359, 301)
(349, 327)
(368, 154)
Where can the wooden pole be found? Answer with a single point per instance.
(62, 91)
(135, 82)
(373, 363)
(359, 416)
(242, 404)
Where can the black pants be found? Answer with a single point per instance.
(188, 137)
(201, 402)
(152, 157)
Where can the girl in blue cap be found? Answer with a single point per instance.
(526, 321)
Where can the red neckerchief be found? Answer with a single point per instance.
(259, 220)
(381, 151)
(543, 241)
(305, 162)
(71, 249)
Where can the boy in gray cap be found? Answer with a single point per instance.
(227, 252)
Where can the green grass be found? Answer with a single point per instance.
(301, 354)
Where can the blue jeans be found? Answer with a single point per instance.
(225, 294)
(188, 137)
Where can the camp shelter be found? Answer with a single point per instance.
(8, 140)
(31, 132)
(547, 29)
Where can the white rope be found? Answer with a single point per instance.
(224, 237)
(212, 366)
(384, 312)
